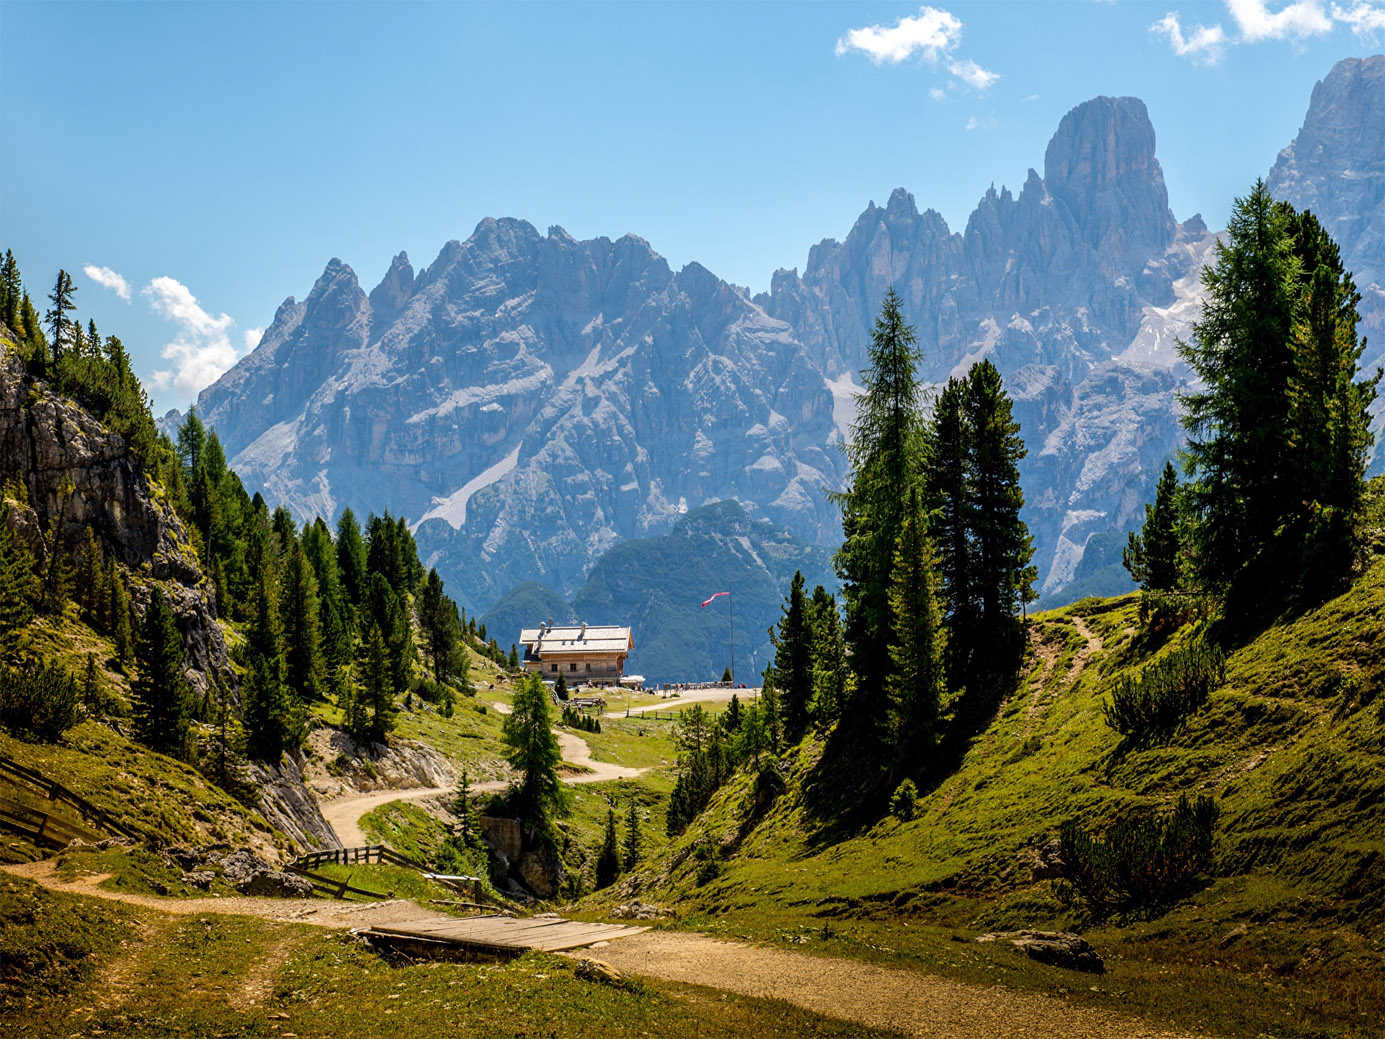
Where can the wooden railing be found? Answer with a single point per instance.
(335, 888)
(55, 791)
(352, 856)
(41, 827)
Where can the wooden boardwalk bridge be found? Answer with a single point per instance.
(494, 935)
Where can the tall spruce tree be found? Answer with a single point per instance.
(793, 661)
(19, 585)
(916, 650)
(608, 859)
(885, 451)
(534, 755)
(950, 479)
(304, 666)
(634, 841)
(1238, 447)
(351, 557)
(1003, 547)
(61, 298)
(1329, 411)
(273, 718)
(160, 700)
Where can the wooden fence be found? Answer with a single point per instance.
(352, 856)
(40, 827)
(56, 792)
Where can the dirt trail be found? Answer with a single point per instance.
(344, 813)
(880, 997)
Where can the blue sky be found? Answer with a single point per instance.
(215, 156)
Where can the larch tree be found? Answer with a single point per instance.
(61, 298)
(916, 649)
(534, 754)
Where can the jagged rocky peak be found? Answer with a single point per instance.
(1336, 164)
(336, 299)
(395, 287)
(1101, 165)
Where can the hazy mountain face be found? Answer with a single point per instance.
(537, 399)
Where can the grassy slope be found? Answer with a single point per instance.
(1291, 747)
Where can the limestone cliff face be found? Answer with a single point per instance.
(82, 475)
(1075, 288)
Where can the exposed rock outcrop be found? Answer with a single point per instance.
(83, 477)
(288, 805)
(1056, 948)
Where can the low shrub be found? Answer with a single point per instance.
(905, 801)
(39, 701)
(1144, 862)
(1152, 707)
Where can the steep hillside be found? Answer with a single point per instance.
(1291, 747)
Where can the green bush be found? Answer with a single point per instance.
(709, 863)
(905, 801)
(1145, 861)
(1151, 708)
(39, 701)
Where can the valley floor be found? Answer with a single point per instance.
(252, 991)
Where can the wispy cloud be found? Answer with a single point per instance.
(252, 338)
(972, 74)
(109, 279)
(1030, 98)
(987, 123)
(933, 35)
(202, 349)
(1255, 21)
(1202, 46)
(1366, 20)
(938, 94)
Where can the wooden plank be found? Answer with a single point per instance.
(549, 935)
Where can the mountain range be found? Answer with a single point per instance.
(532, 401)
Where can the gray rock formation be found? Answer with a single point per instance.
(1075, 288)
(533, 400)
(83, 476)
(288, 805)
(1056, 948)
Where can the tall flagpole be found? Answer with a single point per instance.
(731, 604)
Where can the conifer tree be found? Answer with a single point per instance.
(19, 586)
(61, 298)
(917, 682)
(376, 684)
(634, 841)
(952, 501)
(192, 438)
(534, 755)
(91, 583)
(303, 661)
(273, 720)
(885, 451)
(1329, 410)
(11, 291)
(608, 859)
(1237, 452)
(831, 671)
(1003, 547)
(1154, 555)
(122, 630)
(560, 687)
(351, 557)
(159, 695)
(793, 661)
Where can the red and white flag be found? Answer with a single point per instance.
(717, 596)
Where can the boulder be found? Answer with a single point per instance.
(599, 971)
(277, 884)
(1056, 948)
(200, 879)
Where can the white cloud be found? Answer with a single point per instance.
(252, 338)
(972, 74)
(988, 123)
(938, 94)
(1258, 20)
(202, 349)
(931, 32)
(1203, 46)
(1031, 97)
(1365, 19)
(1297, 20)
(109, 279)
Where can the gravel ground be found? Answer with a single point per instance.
(880, 997)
